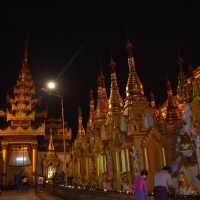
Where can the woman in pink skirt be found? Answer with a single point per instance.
(140, 186)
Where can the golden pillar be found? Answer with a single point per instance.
(98, 167)
(34, 162)
(128, 168)
(117, 165)
(87, 167)
(127, 160)
(4, 156)
(164, 157)
(146, 160)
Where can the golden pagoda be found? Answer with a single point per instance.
(19, 139)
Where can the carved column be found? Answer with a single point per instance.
(146, 159)
(4, 156)
(117, 166)
(34, 161)
(164, 157)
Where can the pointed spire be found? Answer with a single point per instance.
(91, 110)
(153, 105)
(25, 61)
(81, 130)
(115, 100)
(169, 88)
(181, 79)
(153, 102)
(102, 99)
(51, 146)
(172, 115)
(25, 73)
(25, 89)
(134, 85)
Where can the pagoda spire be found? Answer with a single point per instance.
(91, 110)
(134, 85)
(51, 145)
(153, 105)
(81, 130)
(181, 79)
(23, 99)
(172, 115)
(153, 102)
(26, 60)
(115, 100)
(102, 99)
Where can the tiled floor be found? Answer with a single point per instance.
(30, 195)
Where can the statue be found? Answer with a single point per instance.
(188, 150)
(185, 186)
(126, 187)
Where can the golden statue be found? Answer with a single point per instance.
(185, 186)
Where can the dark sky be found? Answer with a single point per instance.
(57, 33)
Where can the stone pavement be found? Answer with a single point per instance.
(29, 195)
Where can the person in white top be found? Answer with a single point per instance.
(162, 183)
(40, 182)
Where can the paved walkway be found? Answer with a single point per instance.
(30, 195)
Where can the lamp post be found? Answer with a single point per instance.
(50, 89)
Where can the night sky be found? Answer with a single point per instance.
(70, 41)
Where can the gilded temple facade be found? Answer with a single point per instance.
(121, 136)
(124, 136)
(27, 138)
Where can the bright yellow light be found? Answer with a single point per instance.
(51, 85)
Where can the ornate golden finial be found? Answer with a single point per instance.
(101, 79)
(102, 99)
(181, 79)
(25, 62)
(115, 100)
(51, 146)
(134, 85)
(170, 95)
(81, 130)
(169, 88)
(153, 102)
(172, 111)
(112, 65)
(91, 109)
(129, 49)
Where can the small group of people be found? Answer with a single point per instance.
(162, 185)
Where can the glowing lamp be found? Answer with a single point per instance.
(51, 85)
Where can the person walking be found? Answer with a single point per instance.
(162, 183)
(140, 186)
